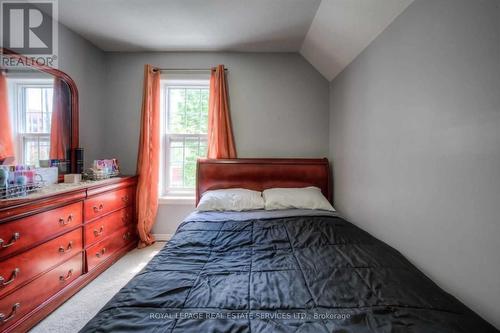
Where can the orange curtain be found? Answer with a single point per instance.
(148, 161)
(220, 133)
(59, 135)
(6, 138)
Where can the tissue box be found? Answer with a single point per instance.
(48, 175)
(72, 178)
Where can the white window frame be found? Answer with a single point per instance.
(177, 81)
(17, 100)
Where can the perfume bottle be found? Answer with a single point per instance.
(4, 177)
(21, 182)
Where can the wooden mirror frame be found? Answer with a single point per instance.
(74, 144)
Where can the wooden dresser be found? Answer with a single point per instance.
(51, 246)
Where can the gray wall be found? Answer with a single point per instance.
(273, 97)
(170, 216)
(279, 104)
(415, 143)
(85, 64)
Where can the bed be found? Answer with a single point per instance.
(279, 271)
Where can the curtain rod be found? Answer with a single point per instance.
(184, 69)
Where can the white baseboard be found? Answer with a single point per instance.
(162, 237)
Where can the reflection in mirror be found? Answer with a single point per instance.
(35, 118)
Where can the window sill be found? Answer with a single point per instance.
(176, 200)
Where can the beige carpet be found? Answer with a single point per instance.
(78, 310)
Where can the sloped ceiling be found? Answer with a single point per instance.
(328, 33)
(342, 29)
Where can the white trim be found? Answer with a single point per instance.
(177, 200)
(162, 237)
(185, 81)
(188, 78)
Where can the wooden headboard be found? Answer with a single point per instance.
(262, 173)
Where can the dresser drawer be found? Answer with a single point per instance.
(105, 226)
(23, 233)
(108, 202)
(23, 267)
(22, 301)
(99, 252)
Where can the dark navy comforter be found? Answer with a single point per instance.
(282, 274)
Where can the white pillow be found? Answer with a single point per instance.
(302, 198)
(234, 199)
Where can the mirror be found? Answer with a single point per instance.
(37, 107)
(38, 117)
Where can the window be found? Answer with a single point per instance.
(32, 105)
(185, 122)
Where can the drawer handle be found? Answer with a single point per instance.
(97, 209)
(4, 318)
(126, 236)
(125, 218)
(67, 277)
(15, 273)
(15, 238)
(101, 253)
(64, 222)
(98, 233)
(125, 198)
(67, 249)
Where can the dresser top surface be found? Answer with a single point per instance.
(64, 187)
(62, 193)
